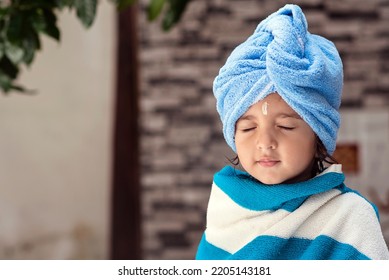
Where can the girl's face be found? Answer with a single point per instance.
(273, 143)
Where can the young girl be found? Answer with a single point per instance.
(278, 96)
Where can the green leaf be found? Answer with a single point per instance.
(154, 9)
(122, 4)
(15, 25)
(1, 50)
(24, 5)
(14, 53)
(51, 28)
(20, 89)
(6, 85)
(31, 44)
(45, 21)
(5, 82)
(64, 3)
(86, 11)
(38, 20)
(174, 13)
(2, 25)
(168, 20)
(8, 68)
(4, 13)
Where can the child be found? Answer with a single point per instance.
(278, 97)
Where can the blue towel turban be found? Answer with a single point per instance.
(282, 56)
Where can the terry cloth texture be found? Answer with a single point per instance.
(282, 56)
(317, 219)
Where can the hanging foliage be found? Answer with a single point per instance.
(174, 10)
(22, 22)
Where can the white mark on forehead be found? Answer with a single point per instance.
(264, 108)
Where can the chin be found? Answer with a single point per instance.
(270, 181)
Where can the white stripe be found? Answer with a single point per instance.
(350, 219)
(230, 226)
(334, 168)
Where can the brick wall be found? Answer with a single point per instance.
(182, 143)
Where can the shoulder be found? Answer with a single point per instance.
(350, 218)
(351, 200)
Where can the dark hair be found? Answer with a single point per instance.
(321, 157)
(320, 160)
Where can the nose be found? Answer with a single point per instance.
(265, 140)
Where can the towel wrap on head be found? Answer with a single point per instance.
(282, 56)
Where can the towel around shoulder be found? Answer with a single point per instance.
(282, 56)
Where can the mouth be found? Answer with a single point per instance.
(268, 162)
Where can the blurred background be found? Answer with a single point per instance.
(113, 158)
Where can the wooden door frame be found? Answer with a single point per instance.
(125, 203)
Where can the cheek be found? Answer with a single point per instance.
(302, 145)
(242, 140)
(306, 146)
(243, 148)
(306, 151)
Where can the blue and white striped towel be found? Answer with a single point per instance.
(317, 219)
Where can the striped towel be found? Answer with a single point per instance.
(317, 219)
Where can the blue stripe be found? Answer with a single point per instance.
(276, 248)
(249, 193)
(207, 251)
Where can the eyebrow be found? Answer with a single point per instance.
(290, 115)
(246, 117)
(280, 115)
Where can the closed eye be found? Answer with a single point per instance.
(286, 127)
(248, 129)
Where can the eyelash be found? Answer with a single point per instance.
(280, 126)
(248, 129)
(286, 127)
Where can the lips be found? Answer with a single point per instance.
(266, 162)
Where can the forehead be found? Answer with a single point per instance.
(274, 105)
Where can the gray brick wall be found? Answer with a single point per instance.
(181, 139)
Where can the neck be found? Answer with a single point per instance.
(307, 174)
